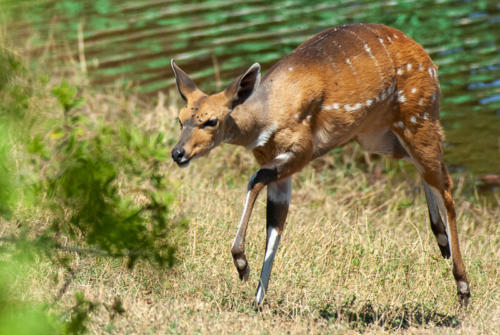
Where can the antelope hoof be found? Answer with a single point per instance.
(242, 267)
(464, 299)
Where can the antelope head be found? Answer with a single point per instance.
(205, 121)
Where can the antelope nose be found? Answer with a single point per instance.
(177, 154)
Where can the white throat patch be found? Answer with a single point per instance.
(263, 137)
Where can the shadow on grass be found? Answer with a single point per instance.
(362, 315)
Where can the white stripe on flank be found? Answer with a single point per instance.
(348, 61)
(382, 43)
(368, 50)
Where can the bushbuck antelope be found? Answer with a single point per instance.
(364, 82)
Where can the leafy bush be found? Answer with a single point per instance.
(99, 181)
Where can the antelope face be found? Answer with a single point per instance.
(202, 125)
(204, 120)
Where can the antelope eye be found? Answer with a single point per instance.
(210, 123)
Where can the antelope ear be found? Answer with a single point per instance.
(243, 86)
(184, 84)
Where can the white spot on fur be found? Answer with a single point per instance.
(389, 38)
(395, 36)
(383, 96)
(421, 67)
(421, 102)
(413, 119)
(400, 72)
(367, 48)
(264, 136)
(399, 124)
(401, 97)
(348, 61)
(290, 69)
(442, 240)
(348, 108)
(408, 67)
(381, 40)
(426, 116)
(413, 90)
(430, 72)
(369, 102)
(336, 106)
(357, 106)
(297, 116)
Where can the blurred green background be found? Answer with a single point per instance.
(131, 42)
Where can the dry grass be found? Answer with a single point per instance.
(357, 254)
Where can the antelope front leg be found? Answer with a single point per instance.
(260, 179)
(278, 200)
(281, 167)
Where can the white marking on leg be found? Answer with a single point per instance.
(280, 191)
(240, 226)
(273, 239)
(272, 243)
(463, 287)
(263, 137)
(240, 263)
(442, 240)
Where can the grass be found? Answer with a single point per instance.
(357, 255)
